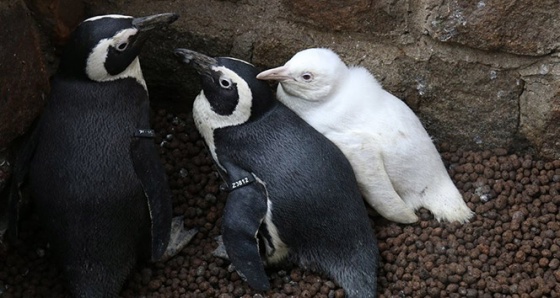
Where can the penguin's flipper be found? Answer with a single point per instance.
(19, 177)
(5, 196)
(367, 160)
(150, 172)
(10, 219)
(244, 212)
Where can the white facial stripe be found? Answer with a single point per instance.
(207, 120)
(113, 16)
(201, 115)
(95, 67)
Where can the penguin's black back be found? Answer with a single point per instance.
(83, 182)
(85, 131)
(306, 175)
(316, 205)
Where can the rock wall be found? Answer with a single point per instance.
(23, 75)
(480, 74)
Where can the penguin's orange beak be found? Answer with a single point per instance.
(281, 73)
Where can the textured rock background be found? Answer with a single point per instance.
(480, 74)
(23, 75)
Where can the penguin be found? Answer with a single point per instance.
(293, 197)
(397, 166)
(91, 167)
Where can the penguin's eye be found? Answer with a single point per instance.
(122, 46)
(225, 83)
(307, 76)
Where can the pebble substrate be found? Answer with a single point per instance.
(511, 248)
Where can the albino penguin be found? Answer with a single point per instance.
(396, 163)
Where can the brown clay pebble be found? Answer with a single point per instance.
(510, 248)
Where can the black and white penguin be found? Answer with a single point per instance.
(291, 189)
(93, 171)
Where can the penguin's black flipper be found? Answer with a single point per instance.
(151, 174)
(244, 212)
(19, 177)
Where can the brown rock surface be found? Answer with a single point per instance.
(23, 78)
(479, 100)
(540, 109)
(519, 27)
(59, 17)
(464, 95)
(381, 17)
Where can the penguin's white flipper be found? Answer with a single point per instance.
(376, 187)
(244, 213)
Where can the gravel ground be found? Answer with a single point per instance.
(510, 249)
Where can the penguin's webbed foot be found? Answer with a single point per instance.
(220, 251)
(178, 239)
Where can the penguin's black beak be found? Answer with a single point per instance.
(201, 63)
(154, 21)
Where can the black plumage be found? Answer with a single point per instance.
(99, 189)
(306, 185)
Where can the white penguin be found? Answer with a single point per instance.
(397, 166)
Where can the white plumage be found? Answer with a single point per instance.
(396, 163)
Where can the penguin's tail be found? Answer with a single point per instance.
(355, 270)
(89, 279)
(358, 275)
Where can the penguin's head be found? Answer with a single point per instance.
(105, 48)
(311, 74)
(231, 93)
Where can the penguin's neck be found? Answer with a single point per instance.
(95, 71)
(313, 112)
(300, 106)
(207, 120)
(118, 96)
(135, 71)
